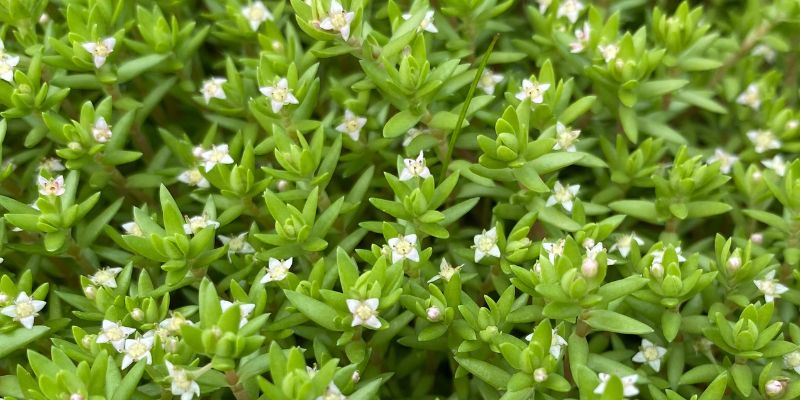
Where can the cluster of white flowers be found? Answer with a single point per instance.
(7, 64)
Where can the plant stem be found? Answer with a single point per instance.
(236, 386)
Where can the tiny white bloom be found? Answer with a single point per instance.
(764, 51)
(212, 89)
(486, 244)
(100, 50)
(193, 177)
(132, 228)
(427, 22)
(625, 242)
(245, 309)
(658, 256)
(279, 94)
(792, 360)
(364, 312)
(197, 223)
(237, 244)
(566, 137)
(582, 37)
(51, 164)
(750, 97)
(115, 334)
(651, 354)
(776, 164)
(24, 309)
(543, 5)
(332, 393)
(351, 125)
(763, 140)
(51, 187)
(173, 324)
(7, 64)
(628, 384)
(255, 14)
(446, 271)
(489, 80)
(217, 155)
(554, 249)
(609, 52)
(106, 277)
(138, 349)
(557, 343)
(338, 20)
(726, 160)
(564, 195)
(404, 248)
(570, 9)
(415, 167)
(277, 270)
(770, 287)
(101, 131)
(182, 384)
(533, 91)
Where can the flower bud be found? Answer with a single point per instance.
(3, 298)
(734, 263)
(90, 292)
(87, 341)
(43, 19)
(657, 270)
(75, 146)
(283, 185)
(588, 243)
(356, 377)
(757, 238)
(540, 375)
(489, 333)
(434, 313)
(76, 396)
(137, 314)
(589, 267)
(775, 387)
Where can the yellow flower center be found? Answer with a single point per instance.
(364, 312)
(137, 350)
(403, 247)
(650, 353)
(352, 125)
(486, 243)
(101, 50)
(182, 381)
(279, 94)
(338, 21)
(24, 309)
(114, 334)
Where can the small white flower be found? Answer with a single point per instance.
(750, 97)
(651, 354)
(255, 14)
(628, 384)
(193, 177)
(404, 248)
(792, 360)
(726, 160)
(543, 5)
(566, 137)
(564, 195)
(217, 155)
(115, 334)
(101, 131)
(776, 164)
(352, 125)
(24, 309)
(245, 309)
(173, 324)
(771, 287)
(365, 312)
(609, 52)
(533, 91)
(277, 270)
(7, 64)
(557, 343)
(415, 167)
(446, 271)
(132, 228)
(582, 37)
(51, 164)
(410, 135)
(763, 140)
(279, 94)
(764, 51)
(137, 349)
(658, 256)
(486, 244)
(197, 223)
(332, 393)
(625, 242)
(554, 249)
(237, 244)
(51, 187)
(182, 384)
(489, 80)
(100, 50)
(106, 277)
(338, 20)
(426, 24)
(212, 88)
(570, 9)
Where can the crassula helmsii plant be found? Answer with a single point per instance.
(461, 199)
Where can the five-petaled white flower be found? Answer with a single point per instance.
(332, 392)
(255, 14)
(132, 228)
(7, 64)
(351, 125)
(533, 91)
(770, 287)
(486, 244)
(651, 354)
(750, 97)
(776, 164)
(106, 277)
(197, 223)
(193, 177)
(182, 384)
(629, 388)
(100, 50)
(218, 154)
(245, 309)
(625, 242)
(212, 89)
(279, 94)
(101, 131)
(564, 195)
(557, 343)
(726, 160)
(414, 167)
(138, 349)
(582, 37)
(24, 309)
(570, 9)
(404, 248)
(338, 20)
(277, 270)
(554, 249)
(426, 24)
(566, 137)
(237, 244)
(763, 140)
(115, 334)
(609, 52)
(489, 80)
(446, 272)
(365, 313)
(792, 360)
(51, 187)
